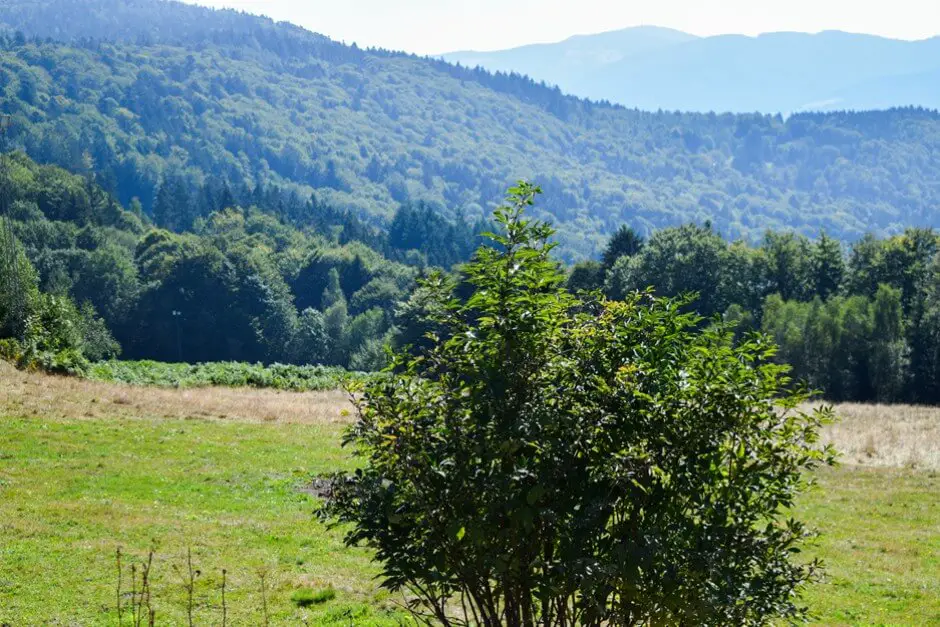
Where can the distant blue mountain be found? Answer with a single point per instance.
(563, 63)
(655, 68)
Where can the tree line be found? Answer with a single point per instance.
(257, 275)
(858, 323)
(265, 275)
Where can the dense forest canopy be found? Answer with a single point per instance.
(239, 285)
(146, 91)
(858, 324)
(248, 282)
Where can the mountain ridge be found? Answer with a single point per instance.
(610, 34)
(718, 73)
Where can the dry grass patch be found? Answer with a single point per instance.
(887, 436)
(30, 394)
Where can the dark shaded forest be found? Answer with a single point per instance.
(240, 284)
(859, 323)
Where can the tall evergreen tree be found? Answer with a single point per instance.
(828, 267)
(624, 243)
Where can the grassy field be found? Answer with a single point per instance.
(88, 467)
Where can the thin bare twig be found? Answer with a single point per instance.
(224, 607)
(120, 612)
(189, 583)
(262, 575)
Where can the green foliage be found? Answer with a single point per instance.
(788, 265)
(859, 325)
(229, 374)
(679, 261)
(827, 267)
(624, 243)
(18, 287)
(586, 276)
(851, 347)
(336, 324)
(305, 597)
(372, 355)
(311, 343)
(154, 94)
(43, 331)
(240, 283)
(287, 157)
(547, 461)
(97, 342)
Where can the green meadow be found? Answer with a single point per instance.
(78, 484)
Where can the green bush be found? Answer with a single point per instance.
(69, 361)
(552, 461)
(10, 350)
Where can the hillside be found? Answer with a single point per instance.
(654, 68)
(147, 91)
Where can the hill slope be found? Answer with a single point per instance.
(184, 92)
(786, 72)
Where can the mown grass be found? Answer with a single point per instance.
(73, 491)
(75, 485)
(881, 545)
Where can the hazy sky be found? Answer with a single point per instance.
(435, 26)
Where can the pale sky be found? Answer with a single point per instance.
(437, 26)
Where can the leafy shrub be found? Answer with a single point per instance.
(552, 461)
(68, 361)
(10, 350)
(97, 341)
(371, 356)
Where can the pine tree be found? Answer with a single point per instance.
(625, 243)
(828, 267)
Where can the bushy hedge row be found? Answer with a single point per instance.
(229, 374)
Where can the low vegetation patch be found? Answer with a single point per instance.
(228, 374)
(305, 597)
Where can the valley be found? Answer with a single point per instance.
(589, 334)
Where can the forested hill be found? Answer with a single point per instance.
(150, 93)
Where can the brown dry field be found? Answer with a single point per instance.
(887, 436)
(30, 394)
